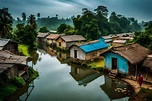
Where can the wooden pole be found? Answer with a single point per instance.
(136, 73)
(146, 74)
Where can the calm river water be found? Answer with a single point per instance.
(59, 81)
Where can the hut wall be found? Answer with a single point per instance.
(122, 63)
(80, 53)
(117, 44)
(61, 42)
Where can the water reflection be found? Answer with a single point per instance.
(115, 88)
(60, 81)
(82, 75)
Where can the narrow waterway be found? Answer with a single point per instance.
(59, 81)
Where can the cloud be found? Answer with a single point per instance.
(140, 9)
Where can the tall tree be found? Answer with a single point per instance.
(5, 22)
(145, 38)
(23, 16)
(103, 10)
(31, 21)
(38, 15)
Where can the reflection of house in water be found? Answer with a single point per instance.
(116, 89)
(84, 76)
(63, 57)
(51, 51)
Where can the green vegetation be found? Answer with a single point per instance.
(7, 91)
(145, 38)
(142, 95)
(18, 81)
(23, 50)
(66, 29)
(96, 64)
(43, 30)
(93, 25)
(32, 73)
(9, 86)
(5, 23)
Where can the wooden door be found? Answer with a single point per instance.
(114, 63)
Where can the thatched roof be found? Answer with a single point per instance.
(134, 53)
(148, 62)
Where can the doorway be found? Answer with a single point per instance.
(75, 53)
(114, 63)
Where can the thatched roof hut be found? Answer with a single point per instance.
(148, 62)
(134, 53)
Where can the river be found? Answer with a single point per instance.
(59, 81)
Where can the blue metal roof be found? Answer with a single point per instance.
(94, 46)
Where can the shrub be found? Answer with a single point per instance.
(23, 49)
(18, 81)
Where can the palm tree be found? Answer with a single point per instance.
(23, 16)
(31, 21)
(38, 15)
(5, 22)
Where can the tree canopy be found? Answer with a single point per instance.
(145, 38)
(93, 25)
(5, 22)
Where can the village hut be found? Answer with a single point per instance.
(89, 50)
(51, 39)
(41, 37)
(148, 66)
(65, 41)
(8, 44)
(13, 65)
(117, 43)
(126, 59)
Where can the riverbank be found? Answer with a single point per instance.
(143, 93)
(10, 86)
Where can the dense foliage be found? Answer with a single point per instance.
(93, 25)
(66, 29)
(145, 38)
(43, 30)
(5, 22)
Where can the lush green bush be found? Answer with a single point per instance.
(23, 49)
(32, 73)
(18, 81)
(7, 91)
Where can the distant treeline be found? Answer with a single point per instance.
(51, 23)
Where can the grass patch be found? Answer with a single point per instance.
(96, 64)
(23, 50)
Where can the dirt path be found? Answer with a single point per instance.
(136, 86)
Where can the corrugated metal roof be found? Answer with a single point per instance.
(119, 41)
(3, 42)
(70, 38)
(94, 46)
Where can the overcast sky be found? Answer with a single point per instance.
(139, 9)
